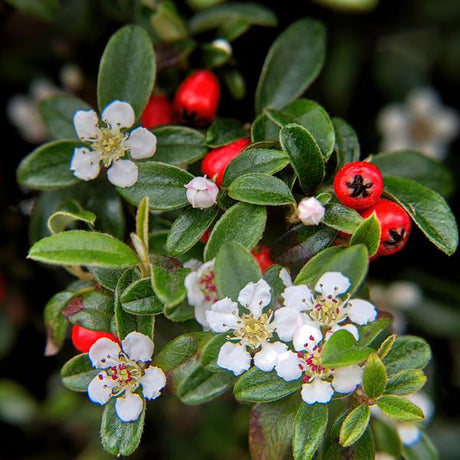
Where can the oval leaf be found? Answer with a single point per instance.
(368, 233)
(347, 145)
(139, 299)
(400, 408)
(407, 352)
(78, 372)
(374, 377)
(341, 218)
(354, 425)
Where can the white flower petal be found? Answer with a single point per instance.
(310, 211)
(404, 295)
(118, 115)
(392, 120)
(255, 296)
(285, 277)
(192, 285)
(306, 337)
(152, 382)
(332, 283)
(346, 379)
(223, 315)
(361, 311)
(299, 297)
(347, 327)
(200, 312)
(100, 388)
(104, 353)
(201, 192)
(123, 173)
(267, 357)
(141, 143)
(317, 391)
(287, 366)
(85, 123)
(85, 163)
(234, 357)
(408, 433)
(138, 346)
(286, 322)
(129, 406)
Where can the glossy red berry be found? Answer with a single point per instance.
(197, 98)
(262, 255)
(216, 161)
(358, 185)
(395, 226)
(83, 339)
(158, 111)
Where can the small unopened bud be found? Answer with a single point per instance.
(222, 45)
(310, 211)
(201, 192)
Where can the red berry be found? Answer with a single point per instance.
(158, 111)
(395, 226)
(358, 185)
(216, 161)
(205, 236)
(83, 339)
(262, 255)
(197, 98)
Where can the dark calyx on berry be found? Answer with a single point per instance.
(359, 187)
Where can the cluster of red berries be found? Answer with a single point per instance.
(195, 102)
(359, 186)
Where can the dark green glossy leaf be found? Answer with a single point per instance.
(368, 233)
(406, 382)
(407, 352)
(55, 323)
(223, 131)
(341, 218)
(139, 299)
(168, 284)
(107, 277)
(347, 145)
(309, 272)
(264, 129)
(369, 332)
(68, 213)
(343, 350)
(78, 372)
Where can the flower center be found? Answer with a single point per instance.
(420, 129)
(254, 331)
(110, 145)
(208, 286)
(126, 374)
(329, 310)
(311, 365)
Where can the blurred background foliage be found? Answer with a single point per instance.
(377, 53)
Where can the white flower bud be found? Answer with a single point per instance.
(201, 192)
(223, 45)
(310, 211)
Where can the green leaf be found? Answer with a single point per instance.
(369, 332)
(424, 449)
(347, 145)
(256, 386)
(386, 438)
(386, 345)
(168, 283)
(107, 277)
(167, 23)
(407, 352)
(45, 10)
(309, 272)
(223, 131)
(118, 437)
(305, 155)
(243, 223)
(78, 247)
(162, 183)
(266, 161)
(234, 268)
(310, 426)
(341, 218)
(139, 299)
(312, 117)
(416, 166)
(209, 351)
(17, 406)
(368, 233)
(55, 323)
(48, 166)
(69, 212)
(428, 209)
(406, 382)
(78, 372)
(400, 408)
(258, 188)
(126, 322)
(133, 81)
(363, 449)
(251, 13)
(374, 377)
(178, 145)
(291, 64)
(264, 129)
(92, 309)
(179, 313)
(188, 228)
(343, 350)
(58, 112)
(272, 277)
(354, 425)
(271, 429)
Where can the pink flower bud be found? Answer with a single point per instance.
(310, 211)
(201, 192)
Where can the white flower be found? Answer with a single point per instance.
(325, 307)
(422, 123)
(310, 211)
(123, 371)
(109, 145)
(252, 333)
(201, 192)
(319, 382)
(201, 290)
